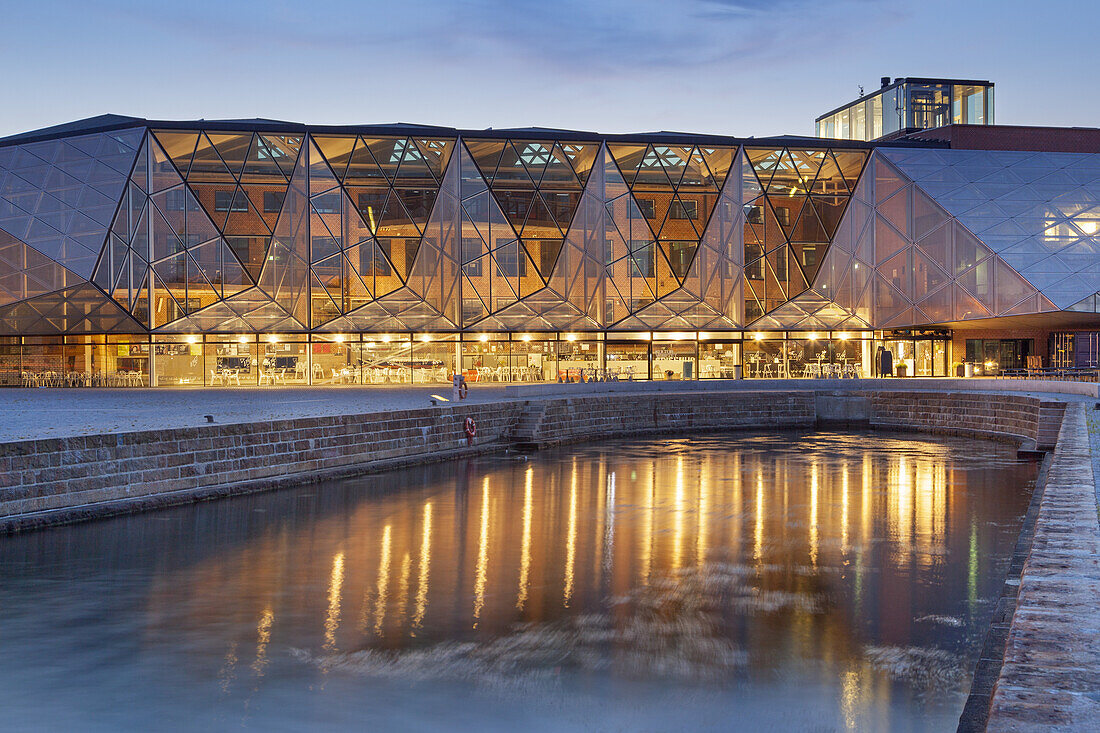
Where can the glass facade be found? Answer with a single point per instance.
(171, 254)
(910, 104)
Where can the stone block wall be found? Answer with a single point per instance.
(997, 416)
(71, 478)
(55, 473)
(577, 418)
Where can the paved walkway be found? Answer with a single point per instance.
(28, 414)
(1050, 680)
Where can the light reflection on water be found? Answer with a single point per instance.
(795, 581)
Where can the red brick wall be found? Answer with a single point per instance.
(1015, 137)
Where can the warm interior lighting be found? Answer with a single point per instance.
(425, 338)
(571, 337)
(813, 337)
(526, 337)
(192, 339)
(843, 337)
(273, 339)
(1089, 227)
(243, 340)
(385, 338)
(483, 337)
(338, 338)
(758, 336)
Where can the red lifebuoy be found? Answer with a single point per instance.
(463, 390)
(471, 430)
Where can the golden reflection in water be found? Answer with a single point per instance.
(525, 555)
(425, 567)
(678, 516)
(482, 553)
(571, 537)
(703, 513)
(609, 527)
(648, 534)
(626, 538)
(332, 617)
(383, 580)
(758, 531)
(900, 484)
(844, 501)
(814, 487)
(403, 588)
(263, 638)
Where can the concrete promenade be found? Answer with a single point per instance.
(30, 414)
(1050, 680)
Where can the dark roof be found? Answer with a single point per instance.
(106, 123)
(99, 123)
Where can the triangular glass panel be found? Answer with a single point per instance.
(337, 151)
(1029, 306)
(362, 169)
(628, 158)
(436, 152)
(896, 210)
(887, 241)
(939, 305)
(888, 301)
(395, 221)
(414, 169)
(232, 148)
(485, 155)
(207, 165)
(284, 150)
(808, 228)
(888, 180)
(927, 275)
(1011, 288)
(968, 250)
(472, 182)
(321, 177)
(967, 307)
(582, 156)
(179, 147)
(764, 163)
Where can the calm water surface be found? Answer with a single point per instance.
(826, 581)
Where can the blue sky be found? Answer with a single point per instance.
(737, 67)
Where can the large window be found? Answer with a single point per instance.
(990, 356)
(683, 210)
(230, 201)
(471, 253)
(273, 201)
(511, 262)
(641, 261)
(327, 203)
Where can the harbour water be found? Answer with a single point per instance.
(783, 581)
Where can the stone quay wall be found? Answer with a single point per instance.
(51, 481)
(997, 417)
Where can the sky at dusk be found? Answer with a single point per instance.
(734, 67)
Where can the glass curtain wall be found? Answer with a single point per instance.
(232, 360)
(913, 356)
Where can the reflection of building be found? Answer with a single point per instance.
(274, 253)
(907, 105)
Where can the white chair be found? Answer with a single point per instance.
(233, 375)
